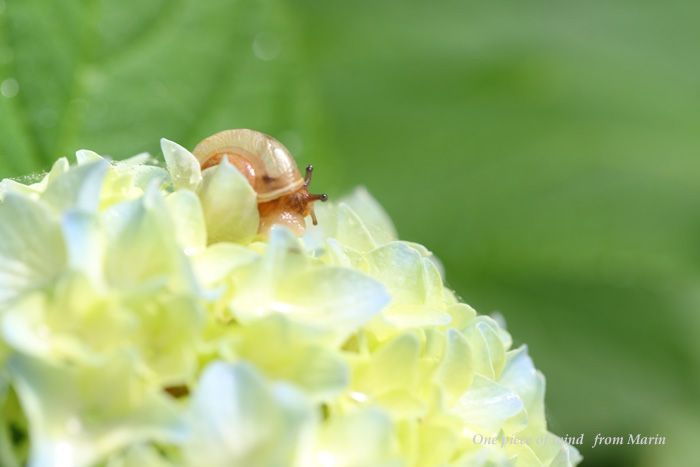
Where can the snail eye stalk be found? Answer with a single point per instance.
(322, 197)
(309, 174)
(307, 181)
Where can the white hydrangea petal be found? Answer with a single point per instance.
(85, 244)
(359, 439)
(78, 188)
(85, 156)
(142, 252)
(415, 286)
(485, 457)
(188, 220)
(283, 281)
(24, 328)
(521, 377)
(32, 252)
(357, 222)
(462, 315)
(487, 347)
(566, 456)
(351, 231)
(230, 205)
(134, 162)
(393, 366)
(293, 353)
(218, 261)
(184, 168)
(487, 405)
(455, 373)
(70, 423)
(399, 267)
(13, 186)
(238, 419)
(332, 298)
(168, 329)
(374, 218)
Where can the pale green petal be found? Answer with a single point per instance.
(415, 286)
(184, 168)
(142, 252)
(218, 261)
(12, 186)
(351, 231)
(188, 220)
(284, 281)
(141, 160)
(487, 405)
(455, 373)
(357, 222)
(341, 223)
(71, 425)
(520, 376)
(566, 455)
(361, 439)
(293, 353)
(32, 252)
(78, 188)
(168, 330)
(462, 315)
(142, 177)
(24, 326)
(485, 457)
(230, 205)
(238, 419)
(331, 298)
(393, 366)
(85, 244)
(85, 156)
(489, 353)
(373, 216)
(58, 168)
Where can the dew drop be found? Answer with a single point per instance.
(9, 87)
(266, 46)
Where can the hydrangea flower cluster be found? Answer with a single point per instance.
(144, 323)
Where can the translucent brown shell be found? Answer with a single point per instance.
(268, 165)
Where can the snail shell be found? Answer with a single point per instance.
(270, 169)
(266, 163)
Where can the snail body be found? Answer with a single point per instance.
(282, 193)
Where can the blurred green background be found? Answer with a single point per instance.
(547, 152)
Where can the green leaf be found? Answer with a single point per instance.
(116, 77)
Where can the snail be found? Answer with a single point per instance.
(283, 196)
